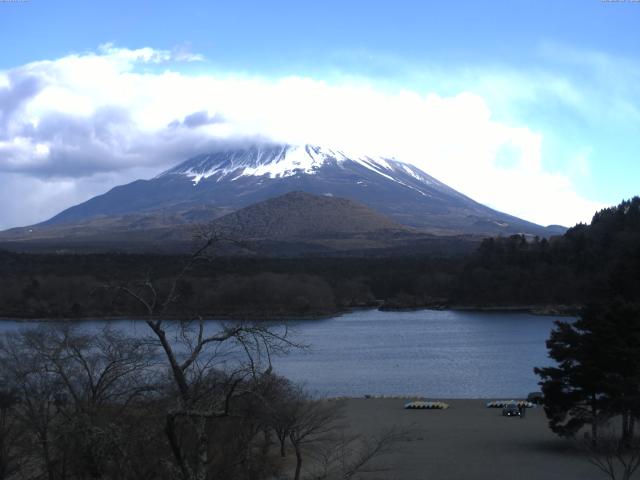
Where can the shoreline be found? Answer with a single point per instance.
(425, 398)
(541, 310)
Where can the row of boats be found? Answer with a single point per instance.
(435, 405)
(422, 404)
(504, 403)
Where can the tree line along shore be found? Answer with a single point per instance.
(556, 275)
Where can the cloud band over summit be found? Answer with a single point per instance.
(73, 127)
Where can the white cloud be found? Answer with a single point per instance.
(100, 116)
(26, 199)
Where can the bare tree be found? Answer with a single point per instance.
(195, 358)
(280, 398)
(41, 394)
(315, 430)
(101, 369)
(72, 389)
(10, 434)
(313, 422)
(617, 458)
(348, 456)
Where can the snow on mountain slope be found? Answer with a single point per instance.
(286, 161)
(230, 179)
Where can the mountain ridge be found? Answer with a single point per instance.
(208, 186)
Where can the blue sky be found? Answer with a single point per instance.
(545, 94)
(286, 36)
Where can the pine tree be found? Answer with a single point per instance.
(597, 375)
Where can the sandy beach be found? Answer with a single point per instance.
(468, 441)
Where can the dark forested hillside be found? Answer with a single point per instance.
(75, 285)
(588, 262)
(600, 260)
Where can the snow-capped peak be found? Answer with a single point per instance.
(279, 161)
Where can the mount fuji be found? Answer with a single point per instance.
(212, 185)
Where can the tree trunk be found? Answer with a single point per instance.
(625, 428)
(203, 449)
(170, 431)
(298, 462)
(283, 452)
(594, 422)
(282, 439)
(51, 474)
(178, 373)
(266, 447)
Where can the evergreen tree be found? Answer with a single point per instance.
(598, 370)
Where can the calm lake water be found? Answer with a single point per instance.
(445, 354)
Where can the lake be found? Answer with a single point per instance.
(437, 354)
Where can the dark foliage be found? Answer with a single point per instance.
(97, 407)
(72, 285)
(112, 407)
(589, 262)
(597, 376)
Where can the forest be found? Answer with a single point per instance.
(560, 274)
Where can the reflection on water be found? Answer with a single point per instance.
(446, 354)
